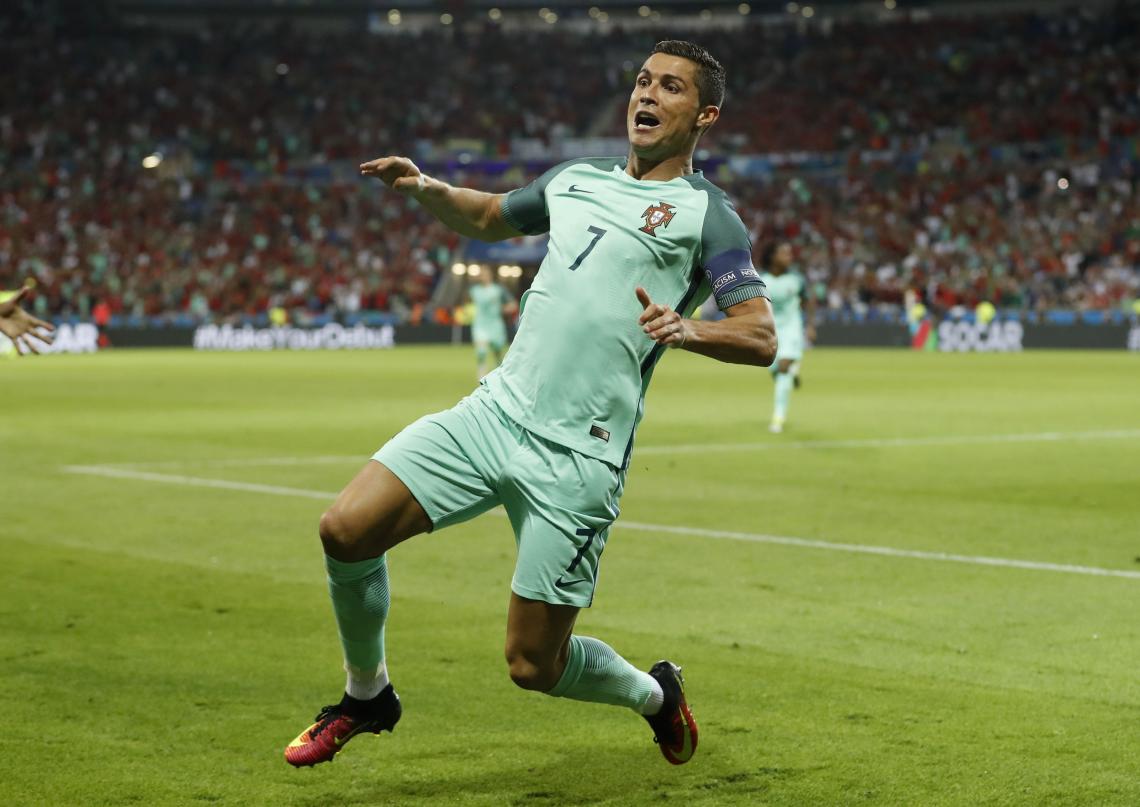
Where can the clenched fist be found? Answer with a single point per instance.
(660, 322)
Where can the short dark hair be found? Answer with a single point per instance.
(769, 252)
(710, 72)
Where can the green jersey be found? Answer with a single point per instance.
(488, 324)
(786, 292)
(580, 363)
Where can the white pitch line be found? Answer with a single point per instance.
(244, 462)
(196, 481)
(888, 551)
(895, 442)
(758, 538)
(684, 448)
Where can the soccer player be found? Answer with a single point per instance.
(636, 243)
(20, 326)
(787, 289)
(489, 328)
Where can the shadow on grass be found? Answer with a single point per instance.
(582, 777)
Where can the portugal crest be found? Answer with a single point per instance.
(658, 215)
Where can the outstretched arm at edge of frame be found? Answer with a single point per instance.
(472, 213)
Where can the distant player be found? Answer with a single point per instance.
(21, 327)
(548, 435)
(493, 304)
(788, 292)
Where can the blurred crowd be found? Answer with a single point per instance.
(983, 80)
(289, 94)
(934, 191)
(216, 248)
(285, 96)
(960, 230)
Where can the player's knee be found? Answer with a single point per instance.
(530, 672)
(337, 532)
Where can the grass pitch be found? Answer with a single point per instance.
(162, 638)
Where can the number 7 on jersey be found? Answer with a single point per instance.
(598, 233)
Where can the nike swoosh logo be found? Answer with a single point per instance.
(576, 189)
(339, 741)
(560, 583)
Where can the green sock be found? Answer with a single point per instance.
(784, 383)
(595, 673)
(360, 600)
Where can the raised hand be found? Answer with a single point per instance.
(398, 173)
(660, 322)
(21, 327)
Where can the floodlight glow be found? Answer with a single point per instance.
(394, 17)
(446, 19)
(644, 11)
(459, 269)
(495, 14)
(152, 160)
(1063, 184)
(744, 8)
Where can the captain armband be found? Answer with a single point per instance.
(733, 278)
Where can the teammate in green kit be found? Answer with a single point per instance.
(787, 289)
(492, 304)
(636, 243)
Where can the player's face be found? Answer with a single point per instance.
(665, 115)
(783, 257)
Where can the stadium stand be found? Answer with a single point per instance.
(912, 155)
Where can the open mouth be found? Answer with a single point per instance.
(644, 121)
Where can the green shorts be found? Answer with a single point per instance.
(493, 337)
(790, 343)
(466, 460)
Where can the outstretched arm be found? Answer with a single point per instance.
(21, 327)
(747, 334)
(472, 213)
